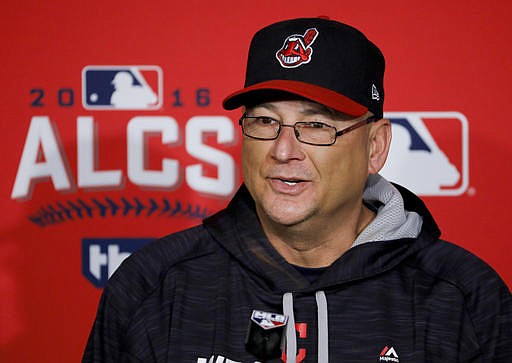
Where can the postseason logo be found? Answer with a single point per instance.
(268, 320)
(136, 87)
(122, 87)
(156, 154)
(429, 152)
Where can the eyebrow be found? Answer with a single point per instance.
(310, 109)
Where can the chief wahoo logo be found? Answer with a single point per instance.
(297, 49)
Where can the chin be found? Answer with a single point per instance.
(286, 216)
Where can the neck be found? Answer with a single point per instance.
(317, 243)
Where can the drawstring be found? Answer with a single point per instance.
(323, 328)
(291, 340)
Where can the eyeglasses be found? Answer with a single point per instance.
(312, 133)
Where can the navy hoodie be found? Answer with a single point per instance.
(400, 294)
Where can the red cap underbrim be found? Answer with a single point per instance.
(312, 92)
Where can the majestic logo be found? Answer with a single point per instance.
(122, 87)
(429, 152)
(217, 359)
(101, 257)
(388, 355)
(297, 49)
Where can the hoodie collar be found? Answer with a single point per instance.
(392, 220)
(378, 248)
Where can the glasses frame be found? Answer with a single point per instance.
(338, 133)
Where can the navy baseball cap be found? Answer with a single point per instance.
(316, 58)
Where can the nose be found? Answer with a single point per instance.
(286, 147)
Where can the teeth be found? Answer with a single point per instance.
(291, 183)
(290, 59)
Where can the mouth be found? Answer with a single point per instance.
(289, 60)
(291, 182)
(288, 185)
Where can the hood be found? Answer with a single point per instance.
(393, 221)
(403, 225)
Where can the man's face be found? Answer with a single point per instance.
(292, 182)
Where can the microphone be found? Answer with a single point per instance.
(265, 335)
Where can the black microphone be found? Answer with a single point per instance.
(265, 335)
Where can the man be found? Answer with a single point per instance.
(317, 258)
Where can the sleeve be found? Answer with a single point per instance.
(504, 343)
(119, 302)
(128, 300)
(484, 331)
(126, 290)
(104, 343)
(490, 307)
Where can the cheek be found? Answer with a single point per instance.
(345, 167)
(252, 157)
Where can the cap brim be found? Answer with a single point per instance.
(312, 92)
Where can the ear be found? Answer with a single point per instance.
(379, 142)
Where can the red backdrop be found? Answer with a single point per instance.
(75, 201)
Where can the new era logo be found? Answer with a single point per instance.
(429, 152)
(375, 93)
(122, 87)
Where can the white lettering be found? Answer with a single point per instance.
(112, 259)
(42, 157)
(96, 260)
(195, 129)
(87, 153)
(258, 314)
(388, 359)
(115, 257)
(218, 359)
(137, 130)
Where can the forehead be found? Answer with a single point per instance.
(301, 106)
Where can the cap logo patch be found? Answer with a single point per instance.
(375, 93)
(296, 49)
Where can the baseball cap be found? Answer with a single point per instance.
(316, 58)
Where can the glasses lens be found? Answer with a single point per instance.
(316, 133)
(260, 127)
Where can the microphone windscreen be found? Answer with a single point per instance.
(265, 335)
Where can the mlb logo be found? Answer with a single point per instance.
(429, 152)
(122, 87)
